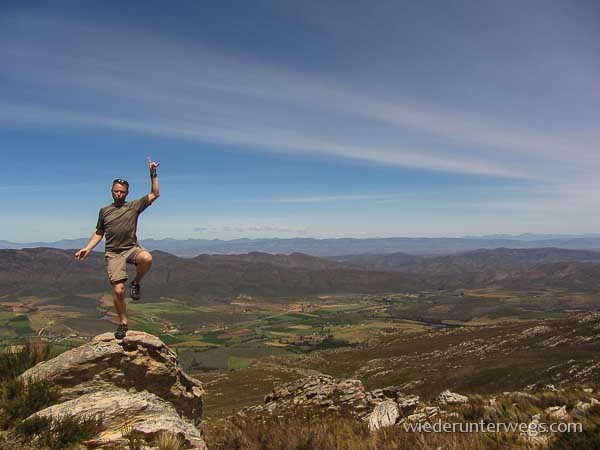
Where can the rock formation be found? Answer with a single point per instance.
(451, 398)
(380, 407)
(135, 384)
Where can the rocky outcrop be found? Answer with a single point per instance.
(379, 408)
(536, 331)
(143, 413)
(389, 407)
(451, 398)
(135, 382)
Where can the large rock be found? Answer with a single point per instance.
(352, 394)
(557, 412)
(451, 398)
(135, 382)
(140, 412)
(408, 404)
(140, 361)
(384, 415)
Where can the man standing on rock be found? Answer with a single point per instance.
(118, 222)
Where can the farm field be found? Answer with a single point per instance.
(242, 347)
(258, 327)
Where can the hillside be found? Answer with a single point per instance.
(484, 359)
(473, 260)
(46, 271)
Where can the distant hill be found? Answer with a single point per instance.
(475, 260)
(510, 268)
(343, 246)
(46, 271)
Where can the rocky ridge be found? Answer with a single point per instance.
(389, 406)
(380, 407)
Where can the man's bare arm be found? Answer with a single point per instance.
(85, 251)
(154, 190)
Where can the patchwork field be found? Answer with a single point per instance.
(293, 324)
(241, 347)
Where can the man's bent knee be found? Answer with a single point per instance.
(144, 258)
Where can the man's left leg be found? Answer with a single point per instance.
(143, 262)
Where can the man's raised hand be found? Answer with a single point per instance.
(152, 165)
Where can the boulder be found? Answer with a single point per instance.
(140, 361)
(351, 394)
(423, 414)
(408, 404)
(132, 383)
(384, 415)
(451, 398)
(557, 412)
(140, 412)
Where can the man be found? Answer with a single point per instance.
(118, 222)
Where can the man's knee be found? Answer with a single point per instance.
(144, 258)
(119, 288)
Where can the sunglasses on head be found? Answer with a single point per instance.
(121, 181)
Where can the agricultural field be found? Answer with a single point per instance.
(230, 334)
(242, 347)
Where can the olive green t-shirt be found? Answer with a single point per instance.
(119, 224)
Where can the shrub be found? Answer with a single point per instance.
(16, 360)
(60, 433)
(168, 441)
(472, 411)
(588, 439)
(19, 399)
(133, 439)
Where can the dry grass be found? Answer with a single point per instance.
(301, 432)
(169, 441)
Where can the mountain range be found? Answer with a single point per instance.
(342, 246)
(47, 271)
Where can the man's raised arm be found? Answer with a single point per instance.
(154, 191)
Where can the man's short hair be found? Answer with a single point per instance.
(121, 181)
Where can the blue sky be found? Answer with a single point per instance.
(287, 118)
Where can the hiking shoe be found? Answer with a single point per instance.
(134, 290)
(121, 331)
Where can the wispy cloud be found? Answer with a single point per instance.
(24, 188)
(249, 229)
(166, 88)
(332, 198)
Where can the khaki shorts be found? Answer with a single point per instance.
(116, 263)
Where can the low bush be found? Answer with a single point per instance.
(19, 399)
(60, 433)
(169, 441)
(133, 439)
(17, 359)
(588, 439)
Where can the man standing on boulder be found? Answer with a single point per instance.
(118, 222)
